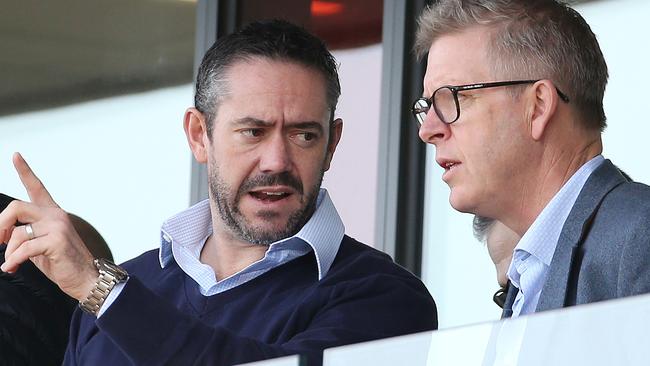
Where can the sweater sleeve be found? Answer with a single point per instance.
(150, 331)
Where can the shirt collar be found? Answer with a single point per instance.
(541, 238)
(322, 233)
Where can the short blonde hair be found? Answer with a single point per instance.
(531, 39)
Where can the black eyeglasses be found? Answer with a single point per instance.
(445, 100)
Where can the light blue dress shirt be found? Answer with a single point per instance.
(533, 254)
(183, 237)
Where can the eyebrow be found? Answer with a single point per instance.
(449, 82)
(250, 121)
(254, 122)
(307, 125)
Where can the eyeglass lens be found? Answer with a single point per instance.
(420, 109)
(444, 104)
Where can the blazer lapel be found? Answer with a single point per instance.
(605, 178)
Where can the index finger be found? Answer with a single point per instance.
(37, 192)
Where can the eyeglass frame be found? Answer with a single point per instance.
(416, 110)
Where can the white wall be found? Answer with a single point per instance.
(120, 163)
(352, 180)
(624, 36)
(456, 268)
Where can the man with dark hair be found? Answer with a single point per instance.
(513, 103)
(262, 268)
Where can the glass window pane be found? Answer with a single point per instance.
(93, 95)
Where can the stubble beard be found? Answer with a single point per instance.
(242, 229)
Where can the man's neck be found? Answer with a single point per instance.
(554, 171)
(227, 255)
(502, 269)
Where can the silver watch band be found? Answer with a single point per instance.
(109, 276)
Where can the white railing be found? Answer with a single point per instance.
(615, 332)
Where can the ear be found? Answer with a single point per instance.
(543, 107)
(335, 136)
(196, 132)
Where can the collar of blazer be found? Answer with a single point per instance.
(602, 181)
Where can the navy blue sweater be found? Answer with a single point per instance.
(161, 317)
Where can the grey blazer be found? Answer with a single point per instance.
(604, 248)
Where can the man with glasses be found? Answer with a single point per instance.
(263, 267)
(513, 102)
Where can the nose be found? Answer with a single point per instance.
(275, 156)
(433, 130)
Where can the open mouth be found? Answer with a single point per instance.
(269, 196)
(449, 166)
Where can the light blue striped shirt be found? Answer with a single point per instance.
(183, 237)
(533, 254)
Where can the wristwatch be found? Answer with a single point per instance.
(110, 275)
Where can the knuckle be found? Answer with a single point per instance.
(10, 232)
(25, 247)
(20, 253)
(59, 215)
(14, 205)
(16, 238)
(59, 226)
